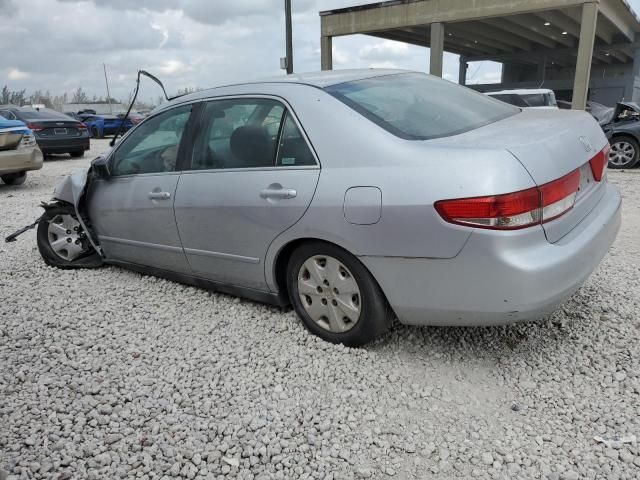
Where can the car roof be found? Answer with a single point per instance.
(314, 79)
(522, 91)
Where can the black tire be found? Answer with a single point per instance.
(14, 178)
(621, 140)
(375, 317)
(89, 259)
(77, 154)
(95, 133)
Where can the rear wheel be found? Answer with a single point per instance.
(95, 133)
(77, 154)
(624, 152)
(335, 296)
(14, 178)
(62, 241)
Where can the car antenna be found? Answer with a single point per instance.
(133, 100)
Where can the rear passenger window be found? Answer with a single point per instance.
(239, 133)
(248, 133)
(293, 149)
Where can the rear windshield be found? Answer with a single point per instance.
(539, 99)
(42, 114)
(415, 106)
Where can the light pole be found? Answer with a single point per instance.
(289, 58)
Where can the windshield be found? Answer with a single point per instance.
(42, 114)
(416, 106)
(539, 99)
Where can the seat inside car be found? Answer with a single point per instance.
(252, 147)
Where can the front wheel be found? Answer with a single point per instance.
(624, 152)
(14, 178)
(335, 296)
(62, 241)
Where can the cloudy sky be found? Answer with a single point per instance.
(58, 45)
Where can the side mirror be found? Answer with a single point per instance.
(100, 166)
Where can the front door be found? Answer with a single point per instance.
(132, 210)
(252, 176)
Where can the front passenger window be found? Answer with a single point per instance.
(153, 146)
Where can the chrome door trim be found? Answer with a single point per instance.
(226, 256)
(136, 243)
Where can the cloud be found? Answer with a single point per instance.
(16, 74)
(386, 50)
(198, 43)
(385, 64)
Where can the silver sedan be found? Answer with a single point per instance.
(355, 196)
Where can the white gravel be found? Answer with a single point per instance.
(109, 374)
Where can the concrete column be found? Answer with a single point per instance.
(585, 52)
(630, 87)
(437, 49)
(462, 72)
(326, 53)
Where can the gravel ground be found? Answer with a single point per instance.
(110, 374)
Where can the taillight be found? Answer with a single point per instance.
(559, 196)
(34, 127)
(82, 126)
(599, 163)
(512, 211)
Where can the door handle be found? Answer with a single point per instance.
(159, 195)
(276, 192)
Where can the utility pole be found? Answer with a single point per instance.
(289, 61)
(104, 67)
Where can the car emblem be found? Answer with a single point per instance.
(585, 143)
(59, 123)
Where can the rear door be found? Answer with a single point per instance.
(132, 210)
(252, 176)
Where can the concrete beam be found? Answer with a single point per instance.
(625, 48)
(605, 30)
(497, 34)
(615, 12)
(459, 31)
(436, 49)
(326, 53)
(431, 11)
(504, 24)
(585, 53)
(559, 20)
(532, 23)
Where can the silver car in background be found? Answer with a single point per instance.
(355, 196)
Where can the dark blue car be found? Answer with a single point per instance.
(101, 125)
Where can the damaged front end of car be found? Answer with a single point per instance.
(67, 202)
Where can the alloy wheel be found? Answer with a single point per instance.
(329, 293)
(622, 153)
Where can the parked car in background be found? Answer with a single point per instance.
(527, 98)
(101, 125)
(55, 132)
(420, 199)
(624, 132)
(134, 117)
(19, 152)
(601, 113)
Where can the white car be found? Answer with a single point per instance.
(528, 98)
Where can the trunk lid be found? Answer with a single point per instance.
(57, 128)
(548, 144)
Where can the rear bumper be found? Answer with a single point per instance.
(20, 160)
(499, 277)
(63, 145)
